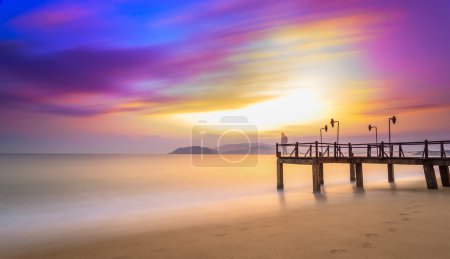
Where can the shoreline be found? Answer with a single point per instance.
(383, 221)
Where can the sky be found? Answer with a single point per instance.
(117, 76)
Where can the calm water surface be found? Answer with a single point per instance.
(51, 197)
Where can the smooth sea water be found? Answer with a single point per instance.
(48, 198)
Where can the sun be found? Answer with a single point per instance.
(297, 106)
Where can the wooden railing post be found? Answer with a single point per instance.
(425, 151)
(278, 153)
(350, 153)
(317, 149)
(442, 150)
(296, 149)
(369, 150)
(310, 150)
(382, 149)
(335, 150)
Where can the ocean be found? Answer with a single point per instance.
(48, 198)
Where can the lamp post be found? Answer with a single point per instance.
(326, 129)
(376, 132)
(393, 119)
(332, 122)
(391, 151)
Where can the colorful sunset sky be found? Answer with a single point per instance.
(134, 76)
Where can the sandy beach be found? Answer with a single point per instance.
(224, 129)
(384, 221)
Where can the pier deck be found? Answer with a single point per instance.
(426, 153)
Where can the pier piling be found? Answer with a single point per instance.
(352, 172)
(359, 176)
(321, 173)
(280, 183)
(390, 168)
(316, 176)
(430, 176)
(445, 178)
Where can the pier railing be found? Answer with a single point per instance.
(425, 149)
(425, 153)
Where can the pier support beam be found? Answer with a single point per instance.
(390, 173)
(352, 172)
(430, 176)
(316, 177)
(321, 173)
(359, 176)
(445, 177)
(280, 183)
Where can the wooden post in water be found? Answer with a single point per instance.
(359, 176)
(445, 177)
(280, 183)
(390, 168)
(321, 170)
(321, 173)
(352, 172)
(315, 176)
(430, 175)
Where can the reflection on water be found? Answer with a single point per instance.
(281, 199)
(52, 195)
(320, 197)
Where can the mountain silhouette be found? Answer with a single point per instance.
(241, 148)
(194, 150)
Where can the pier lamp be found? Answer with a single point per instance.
(332, 122)
(376, 132)
(394, 120)
(326, 129)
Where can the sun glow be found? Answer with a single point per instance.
(299, 106)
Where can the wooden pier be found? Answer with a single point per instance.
(426, 153)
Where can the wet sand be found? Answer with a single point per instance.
(406, 221)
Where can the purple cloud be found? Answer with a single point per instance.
(41, 79)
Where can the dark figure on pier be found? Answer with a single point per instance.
(284, 140)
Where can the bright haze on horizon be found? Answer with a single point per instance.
(136, 76)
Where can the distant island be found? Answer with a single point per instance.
(242, 148)
(194, 150)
